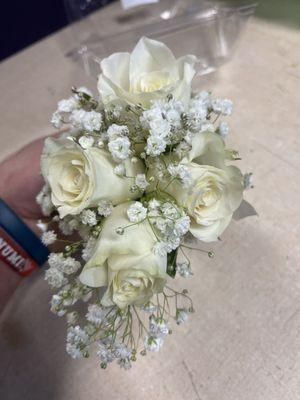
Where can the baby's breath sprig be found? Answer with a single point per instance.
(85, 99)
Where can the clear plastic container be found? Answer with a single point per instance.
(207, 29)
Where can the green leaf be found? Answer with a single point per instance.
(244, 210)
(171, 267)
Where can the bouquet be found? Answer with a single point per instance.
(141, 173)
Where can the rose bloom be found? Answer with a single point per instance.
(216, 190)
(125, 263)
(81, 178)
(150, 72)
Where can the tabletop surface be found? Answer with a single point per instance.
(243, 343)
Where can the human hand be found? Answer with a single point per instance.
(20, 183)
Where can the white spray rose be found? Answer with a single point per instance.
(216, 190)
(81, 178)
(150, 72)
(125, 263)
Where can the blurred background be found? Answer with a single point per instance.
(25, 22)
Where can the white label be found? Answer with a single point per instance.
(126, 4)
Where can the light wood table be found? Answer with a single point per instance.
(244, 341)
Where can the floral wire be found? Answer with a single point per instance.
(127, 324)
(194, 248)
(158, 306)
(183, 252)
(164, 303)
(180, 294)
(134, 223)
(215, 120)
(139, 319)
(152, 228)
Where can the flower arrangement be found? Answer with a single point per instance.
(142, 170)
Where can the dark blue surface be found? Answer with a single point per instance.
(23, 22)
(23, 235)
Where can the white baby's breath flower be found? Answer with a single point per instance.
(172, 113)
(154, 204)
(86, 141)
(160, 249)
(116, 131)
(122, 351)
(56, 305)
(77, 340)
(180, 172)
(196, 114)
(44, 201)
(141, 181)
(105, 208)
(88, 217)
(95, 314)
(169, 210)
(74, 351)
(248, 180)
(155, 146)
(88, 250)
(56, 120)
(184, 269)
(158, 327)
(54, 277)
(224, 129)
(49, 237)
(182, 225)
(154, 212)
(149, 308)
(160, 127)
(164, 115)
(181, 315)
(87, 120)
(70, 266)
(161, 223)
(66, 227)
(222, 106)
(207, 127)
(47, 206)
(153, 343)
(204, 96)
(136, 212)
(119, 148)
(105, 354)
(67, 105)
(77, 335)
(55, 260)
(172, 243)
(92, 121)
